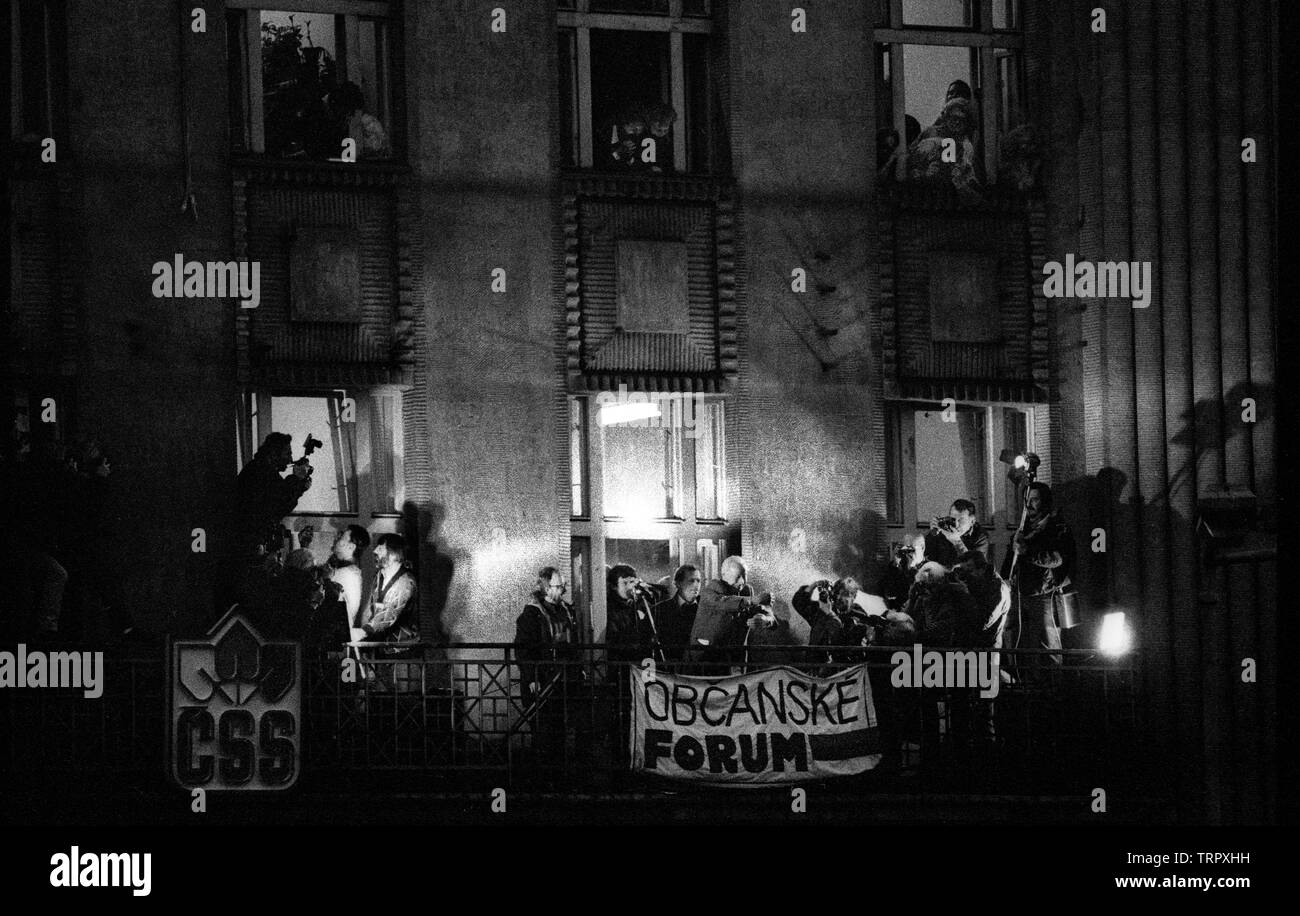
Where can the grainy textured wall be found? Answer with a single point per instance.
(155, 376)
(1146, 123)
(487, 496)
(811, 433)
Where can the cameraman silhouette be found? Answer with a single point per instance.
(263, 498)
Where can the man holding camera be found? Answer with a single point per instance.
(728, 616)
(263, 497)
(956, 534)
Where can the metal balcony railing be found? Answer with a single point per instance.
(460, 716)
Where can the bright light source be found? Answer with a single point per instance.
(627, 412)
(1021, 462)
(1116, 638)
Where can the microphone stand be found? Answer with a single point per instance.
(657, 649)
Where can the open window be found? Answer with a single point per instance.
(638, 91)
(306, 78)
(951, 106)
(935, 455)
(357, 468)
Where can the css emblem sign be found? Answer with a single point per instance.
(236, 710)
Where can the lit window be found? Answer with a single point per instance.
(357, 468)
(305, 80)
(642, 471)
(1017, 437)
(951, 461)
(334, 463)
(578, 457)
(952, 87)
(710, 462)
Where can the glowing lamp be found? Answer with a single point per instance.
(1116, 638)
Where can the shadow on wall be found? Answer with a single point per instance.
(1098, 501)
(434, 569)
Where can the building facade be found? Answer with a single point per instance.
(819, 344)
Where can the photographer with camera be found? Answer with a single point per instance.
(955, 534)
(730, 616)
(904, 560)
(263, 497)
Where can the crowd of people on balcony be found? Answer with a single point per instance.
(939, 591)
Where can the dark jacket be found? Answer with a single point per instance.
(546, 632)
(945, 614)
(675, 620)
(943, 551)
(721, 631)
(262, 499)
(1047, 561)
(826, 628)
(629, 635)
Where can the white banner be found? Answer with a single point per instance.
(771, 726)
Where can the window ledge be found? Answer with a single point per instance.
(652, 185)
(921, 197)
(261, 168)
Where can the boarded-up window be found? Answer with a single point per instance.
(651, 286)
(964, 305)
(325, 274)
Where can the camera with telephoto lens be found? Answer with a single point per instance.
(309, 445)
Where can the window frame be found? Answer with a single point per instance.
(983, 37)
(353, 12)
(582, 20)
(255, 404)
(900, 491)
(686, 535)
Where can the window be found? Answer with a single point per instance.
(306, 79)
(357, 468)
(653, 489)
(637, 87)
(36, 37)
(710, 463)
(578, 457)
(643, 472)
(931, 461)
(1017, 436)
(950, 81)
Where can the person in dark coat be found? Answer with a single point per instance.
(263, 498)
(546, 631)
(675, 616)
(957, 534)
(731, 619)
